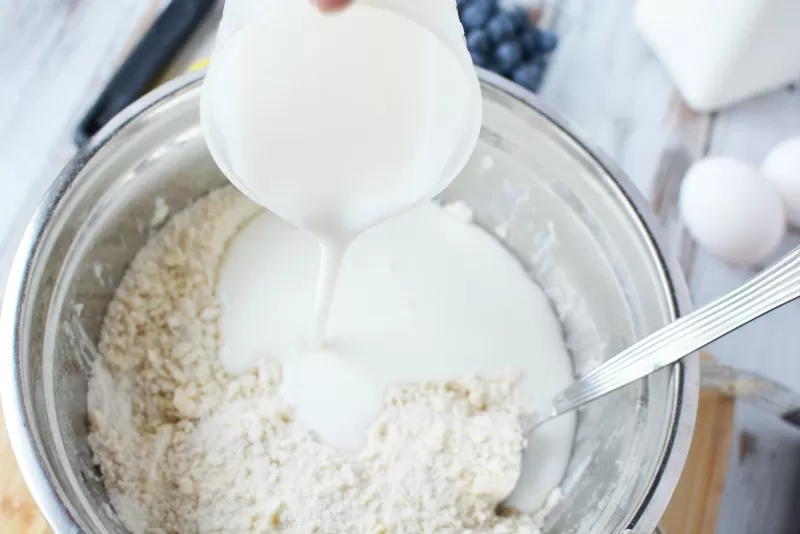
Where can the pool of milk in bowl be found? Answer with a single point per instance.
(425, 296)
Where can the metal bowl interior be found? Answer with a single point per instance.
(570, 218)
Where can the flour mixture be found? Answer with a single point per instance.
(186, 445)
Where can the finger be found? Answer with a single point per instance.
(332, 5)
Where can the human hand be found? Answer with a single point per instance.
(332, 5)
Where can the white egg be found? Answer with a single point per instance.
(782, 167)
(732, 211)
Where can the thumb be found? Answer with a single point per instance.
(331, 5)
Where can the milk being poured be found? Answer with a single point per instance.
(338, 122)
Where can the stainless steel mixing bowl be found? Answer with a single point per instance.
(570, 216)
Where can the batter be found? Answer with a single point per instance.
(185, 447)
(421, 297)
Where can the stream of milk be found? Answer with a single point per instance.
(336, 123)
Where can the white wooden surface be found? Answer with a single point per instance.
(609, 84)
(55, 56)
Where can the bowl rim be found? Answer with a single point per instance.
(17, 412)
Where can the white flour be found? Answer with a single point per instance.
(185, 447)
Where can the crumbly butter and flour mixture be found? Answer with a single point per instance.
(184, 446)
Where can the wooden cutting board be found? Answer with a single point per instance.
(693, 509)
(18, 512)
(695, 504)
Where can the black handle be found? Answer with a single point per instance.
(148, 60)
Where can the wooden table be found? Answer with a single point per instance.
(55, 56)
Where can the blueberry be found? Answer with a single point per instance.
(520, 18)
(508, 56)
(480, 60)
(478, 42)
(548, 41)
(461, 4)
(501, 27)
(529, 39)
(490, 5)
(529, 75)
(477, 13)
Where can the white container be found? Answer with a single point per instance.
(428, 150)
(719, 52)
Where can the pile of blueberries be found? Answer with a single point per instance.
(506, 41)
